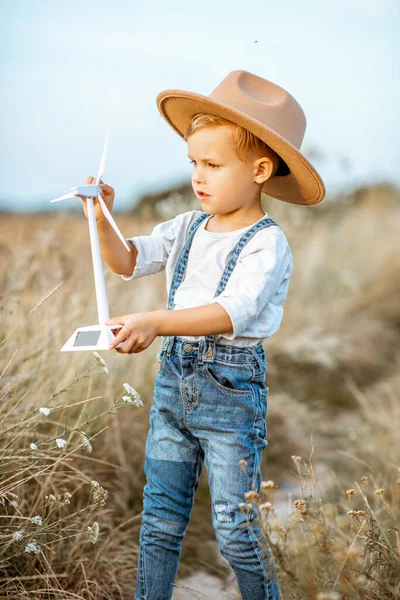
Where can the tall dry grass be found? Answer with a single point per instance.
(332, 374)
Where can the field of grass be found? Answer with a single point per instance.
(72, 435)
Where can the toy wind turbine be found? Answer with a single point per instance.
(95, 337)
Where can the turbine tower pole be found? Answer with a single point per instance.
(99, 281)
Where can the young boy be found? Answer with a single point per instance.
(227, 274)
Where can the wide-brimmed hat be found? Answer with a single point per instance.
(270, 113)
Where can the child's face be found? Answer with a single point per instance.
(231, 184)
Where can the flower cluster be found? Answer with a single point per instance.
(132, 396)
(100, 495)
(32, 547)
(301, 506)
(356, 513)
(17, 536)
(102, 363)
(65, 499)
(86, 443)
(93, 531)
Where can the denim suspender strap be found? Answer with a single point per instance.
(233, 256)
(178, 275)
(207, 346)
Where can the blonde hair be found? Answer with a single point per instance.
(245, 143)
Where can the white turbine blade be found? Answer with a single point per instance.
(103, 159)
(63, 197)
(113, 224)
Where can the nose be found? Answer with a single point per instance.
(198, 175)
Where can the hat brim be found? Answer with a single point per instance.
(303, 185)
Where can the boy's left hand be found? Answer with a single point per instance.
(137, 333)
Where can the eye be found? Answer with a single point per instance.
(191, 162)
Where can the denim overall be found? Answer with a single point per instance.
(210, 404)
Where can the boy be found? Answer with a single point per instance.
(227, 273)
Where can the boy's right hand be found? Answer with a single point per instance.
(108, 195)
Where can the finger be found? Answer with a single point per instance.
(128, 346)
(105, 190)
(120, 337)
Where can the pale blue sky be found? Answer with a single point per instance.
(69, 69)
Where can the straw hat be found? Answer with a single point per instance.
(270, 113)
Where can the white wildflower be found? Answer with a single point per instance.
(86, 443)
(32, 446)
(93, 531)
(133, 395)
(267, 484)
(37, 520)
(127, 399)
(128, 388)
(14, 503)
(94, 484)
(99, 495)
(61, 443)
(32, 547)
(67, 498)
(17, 536)
(45, 411)
(100, 361)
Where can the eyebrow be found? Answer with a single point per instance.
(208, 158)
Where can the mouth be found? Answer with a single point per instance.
(202, 195)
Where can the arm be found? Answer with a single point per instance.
(140, 329)
(114, 252)
(112, 249)
(208, 319)
(255, 281)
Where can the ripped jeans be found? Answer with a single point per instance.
(210, 404)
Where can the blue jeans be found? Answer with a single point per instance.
(210, 404)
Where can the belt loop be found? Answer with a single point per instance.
(168, 344)
(255, 354)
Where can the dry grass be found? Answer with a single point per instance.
(332, 374)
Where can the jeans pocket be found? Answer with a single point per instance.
(230, 379)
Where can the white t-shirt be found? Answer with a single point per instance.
(256, 289)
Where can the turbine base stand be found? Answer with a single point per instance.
(92, 337)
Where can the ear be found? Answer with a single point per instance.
(264, 168)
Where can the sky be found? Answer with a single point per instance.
(71, 69)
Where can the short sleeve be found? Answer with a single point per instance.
(154, 249)
(261, 276)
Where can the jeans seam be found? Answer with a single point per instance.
(254, 543)
(142, 581)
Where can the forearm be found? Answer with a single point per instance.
(208, 319)
(114, 252)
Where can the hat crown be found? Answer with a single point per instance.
(265, 102)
